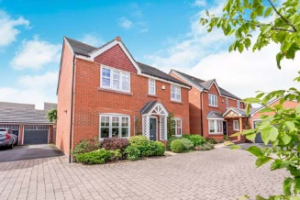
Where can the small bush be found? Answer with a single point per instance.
(205, 147)
(100, 156)
(86, 146)
(115, 143)
(177, 146)
(170, 140)
(196, 139)
(133, 153)
(188, 144)
(160, 148)
(142, 143)
(211, 140)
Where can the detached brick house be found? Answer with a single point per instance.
(211, 108)
(104, 92)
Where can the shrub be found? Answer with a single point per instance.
(160, 148)
(188, 144)
(142, 143)
(115, 143)
(133, 152)
(170, 140)
(99, 156)
(177, 146)
(206, 146)
(211, 140)
(85, 146)
(196, 139)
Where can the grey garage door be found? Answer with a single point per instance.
(258, 135)
(35, 135)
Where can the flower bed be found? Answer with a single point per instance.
(114, 149)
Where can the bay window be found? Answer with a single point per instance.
(175, 93)
(215, 126)
(115, 79)
(114, 126)
(212, 100)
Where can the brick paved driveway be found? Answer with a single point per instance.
(218, 174)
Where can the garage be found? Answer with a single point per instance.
(14, 128)
(36, 134)
(258, 138)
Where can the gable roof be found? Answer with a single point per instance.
(86, 50)
(146, 69)
(240, 111)
(204, 85)
(214, 115)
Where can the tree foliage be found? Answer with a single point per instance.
(244, 19)
(52, 115)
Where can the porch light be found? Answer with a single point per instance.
(163, 87)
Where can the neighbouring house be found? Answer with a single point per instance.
(255, 115)
(104, 92)
(29, 124)
(210, 108)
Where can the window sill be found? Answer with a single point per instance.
(212, 106)
(115, 91)
(152, 95)
(178, 102)
(215, 133)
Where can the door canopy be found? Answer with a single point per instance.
(154, 108)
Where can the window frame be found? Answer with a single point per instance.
(110, 124)
(216, 122)
(238, 104)
(177, 89)
(149, 86)
(210, 100)
(176, 120)
(234, 125)
(112, 79)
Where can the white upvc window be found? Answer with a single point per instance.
(213, 100)
(175, 93)
(113, 125)
(115, 79)
(152, 88)
(236, 125)
(177, 125)
(215, 126)
(238, 104)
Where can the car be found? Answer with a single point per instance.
(7, 138)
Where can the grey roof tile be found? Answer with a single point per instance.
(80, 48)
(16, 105)
(148, 106)
(205, 84)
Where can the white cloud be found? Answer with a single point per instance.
(35, 54)
(199, 3)
(8, 28)
(32, 89)
(92, 39)
(205, 55)
(125, 23)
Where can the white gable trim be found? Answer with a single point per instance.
(69, 46)
(216, 84)
(159, 105)
(231, 109)
(112, 44)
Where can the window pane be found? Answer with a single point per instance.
(125, 81)
(115, 132)
(125, 132)
(105, 82)
(211, 126)
(104, 132)
(105, 72)
(116, 84)
(104, 121)
(125, 121)
(116, 80)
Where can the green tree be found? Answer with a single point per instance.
(52, 115)
(244, 19)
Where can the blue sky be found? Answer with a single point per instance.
(165, 34)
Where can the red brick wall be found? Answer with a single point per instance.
(90, 101)
(117, 58)
(64, 101)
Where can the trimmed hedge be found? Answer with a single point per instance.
(181, 145)
(100, 156)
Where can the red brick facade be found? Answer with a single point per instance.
(199, 106)
(90, 100)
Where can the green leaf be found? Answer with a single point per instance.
(235, 147)
(279, 164)
(251, 137)
(255, 151)
(267, 109)
(297, 186)
(287, 184)
(279, 57)
(273, 134)
(241, 47)
(268, 11)
(265, 29)
(285, 139)
(290, 125)
(262, 160)
(265, 135)
(259, 198)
